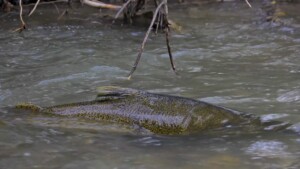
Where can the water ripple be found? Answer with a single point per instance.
(228, 99)
(291, 96)
(270, 117)
(267, 149)
(148, 140)
(4, 94)
(93, 73)
(295, 128)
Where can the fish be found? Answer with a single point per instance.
(156, 113)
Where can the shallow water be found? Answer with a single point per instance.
(228, 57)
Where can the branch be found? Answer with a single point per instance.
(99, 4)
(169, 48)
(167, 36)
(23, 25)
(36, 4)
(122, 8)
(248, 3)
(145, 38)
(65, 12)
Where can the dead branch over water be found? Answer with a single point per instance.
(23, 25)
(162, 22)
(130, 10)
(99, 4)
(35, 6)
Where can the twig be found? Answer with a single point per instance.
(145, 39)
(169, 48)
(122, 9)
(57, 9)
(23, 25)
(35, 6)
(100, 4)
(167, 36)
(248, 3)
(21, 13)
(65, 12)
(158, 22)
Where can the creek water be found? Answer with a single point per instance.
(225, 54)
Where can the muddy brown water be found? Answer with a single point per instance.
(224, 55)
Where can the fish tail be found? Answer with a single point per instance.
(29, 106)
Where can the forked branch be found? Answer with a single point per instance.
(161, 20)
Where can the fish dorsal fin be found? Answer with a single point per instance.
(115, 92)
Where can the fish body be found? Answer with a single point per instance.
(157, 113)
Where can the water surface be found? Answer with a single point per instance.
(225, 55)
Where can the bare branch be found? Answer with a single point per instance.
(167, 36)
(99, 4)
(35, 6)
(169, 49)
(248, 3)
(122, 8)
(57, 9)
(65, 12)
(23, 25)
(145, 38)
